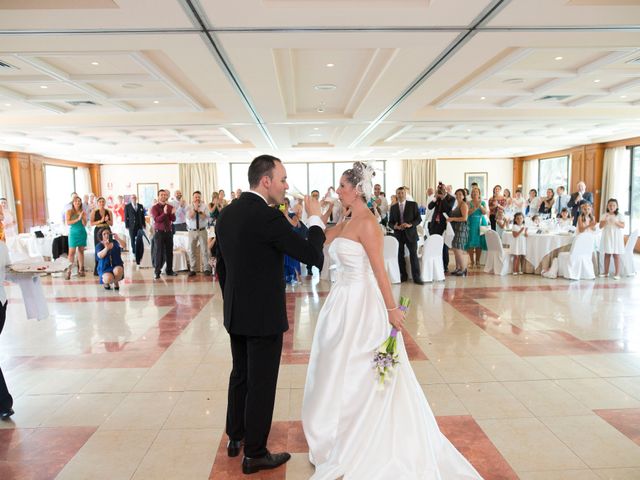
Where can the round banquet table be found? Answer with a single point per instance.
(542, 248)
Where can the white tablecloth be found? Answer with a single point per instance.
(32, 246)
(540, 245)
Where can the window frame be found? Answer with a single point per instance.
(566, 185)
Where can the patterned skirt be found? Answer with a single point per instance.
(461, 231)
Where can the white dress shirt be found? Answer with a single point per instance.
(201, 215)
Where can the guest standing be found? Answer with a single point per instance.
(496, 202)
(163, 216)
(135, 222)
(441, 207)
(458, 220)
(6, 400)
(477, 242)
(562, 200)
(547, 203)
(101, 217)
(76, 218)
(179, 205)
(533, 203)
(586, 220)
(9, 222)
(404, 217)
(612, 225)
(197, 226)
(518, 202)
(578, 199)
(519, 244)
(118, 208)
(110, 265)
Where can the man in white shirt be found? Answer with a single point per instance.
(197, 226)
(179, 205)
(431, 197)
(562, 200)
(382, 203)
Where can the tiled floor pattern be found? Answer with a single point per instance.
(529, 378)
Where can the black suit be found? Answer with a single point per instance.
(252, 239)
(575, 204)
(438, 223)
(134, 221)
(408, 236)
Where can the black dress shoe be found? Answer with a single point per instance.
(172, 274)
(233, 448)
(5, 414)
(192, 273)
(404, 279)
(156, 276)
(270, 460)
(418, 282)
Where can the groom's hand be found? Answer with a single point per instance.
(312, 206)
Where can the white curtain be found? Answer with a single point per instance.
(198, 176)
(83, 181)
(530, 177)
(615, 176)
(6, 187)
(419, 175)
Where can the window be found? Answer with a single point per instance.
(60, 182)
(553, 172)
(307, 176)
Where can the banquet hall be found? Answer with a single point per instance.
(514, 126)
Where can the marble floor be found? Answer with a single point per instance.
(529, 378)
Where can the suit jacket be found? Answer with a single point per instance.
(251, 242)
(575, 205)
(134, 218)
(438, 223)
(411, 215)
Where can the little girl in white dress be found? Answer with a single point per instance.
(612, 243)
(519, 244)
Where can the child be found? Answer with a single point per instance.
(536, 220)
(612, 243)
(565, 219)
(502, 222)
(586, 220)
(519, 245)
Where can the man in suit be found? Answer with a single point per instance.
(252, 239)
(404, 217)
(440, 206)
(578, 199)
(134, 221)
(562, 200)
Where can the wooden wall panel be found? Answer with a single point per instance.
(38, 190)
(577, 168)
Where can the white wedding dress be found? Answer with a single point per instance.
(353, 429)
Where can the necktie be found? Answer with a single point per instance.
(402, 213)
(558, 207)
(197, 220)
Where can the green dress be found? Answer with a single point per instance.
(475, 220)
(77, 233)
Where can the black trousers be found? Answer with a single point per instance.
(6, 400)
(413, 258)
(445, 257)
(96, 240)
(163, 251)
(252, 390)
(492, 219)
(136, 236)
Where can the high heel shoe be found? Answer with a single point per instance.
(461, 273)
(81, 272)
(67, 274)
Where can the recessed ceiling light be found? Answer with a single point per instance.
(156, 101)
(623, 96)
(131, 86)
(596, 81)
(315, 134)
(320, 109)
(43, 86)
(325, 86)
(316, 128)
(483, 98)
(513, 81)
(559, 58)
(7, 104)
(95, 64)
(468, 129)
(331, 65)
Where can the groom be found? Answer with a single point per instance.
(252, 239)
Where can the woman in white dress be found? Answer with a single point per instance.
(612, 225)
(354, 430)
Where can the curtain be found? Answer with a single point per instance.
(615, 174)
(419, 175)
(83, 181)
(6, 188)
(198, 176)
(530, 177)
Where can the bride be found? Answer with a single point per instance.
(354, 430)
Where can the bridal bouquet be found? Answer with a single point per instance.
(385, 358)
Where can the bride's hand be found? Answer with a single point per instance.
(396, 318)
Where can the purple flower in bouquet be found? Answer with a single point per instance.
(385, 358)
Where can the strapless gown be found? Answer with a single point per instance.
(354, 430)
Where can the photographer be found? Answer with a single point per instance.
(110, 264)
(441, 206)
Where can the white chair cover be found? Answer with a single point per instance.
(180, 260)
(390, 252)
(431, 268)
(498, 259)
(628, 267)
(577, 264)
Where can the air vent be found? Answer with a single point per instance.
(634, 61)
(82, 103)
(7, 66)
(553, 98)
